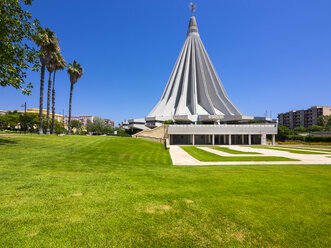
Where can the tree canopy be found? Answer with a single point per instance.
(17, 30)
(75, 71)
(18, 121)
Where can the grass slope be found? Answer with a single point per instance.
(231, 151)
(212, 157)
(121, 192)
(286, 150)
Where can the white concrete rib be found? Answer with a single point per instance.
(194, 88)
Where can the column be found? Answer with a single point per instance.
(224, 139)
(249, 139)
(229, 139)
(273, 139)
(213, 139)
(193, 140)
(242, 139)
(263, 139)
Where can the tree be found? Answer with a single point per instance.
(50, 69)
(13, 119)
(3, 122)
(168, 122)
(282, 133)
(17, 29)
(31, 121)
(300, 129)
(99, 126)
(323, 120)
(315, 128)
(77, 125)
(328, 124)
(48, 43)
(255, 122)
(59, 64)
(75, 72)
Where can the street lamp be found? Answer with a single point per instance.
(25, 127)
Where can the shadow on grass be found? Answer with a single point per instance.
(7, 141)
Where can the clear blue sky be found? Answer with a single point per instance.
(270, 55)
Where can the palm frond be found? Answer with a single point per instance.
(60, 62)
(75, 71)
(46, 40)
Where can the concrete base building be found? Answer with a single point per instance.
(221, 134)
(195, 100)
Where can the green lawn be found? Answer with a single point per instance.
(308, 148)
(318, 146)
(122, 192)
(205, 156)
(231, 151)
(286, 150)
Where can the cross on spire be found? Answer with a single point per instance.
(193, 7)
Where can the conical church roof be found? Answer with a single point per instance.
(194, 88)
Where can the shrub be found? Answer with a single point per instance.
(168, 122)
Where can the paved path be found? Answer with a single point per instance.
(180, 157)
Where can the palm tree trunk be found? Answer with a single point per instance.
(70, 99)
(48, 101)
(42, 75)
(53, 104)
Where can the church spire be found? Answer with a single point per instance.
(194, 89)
(192, 27)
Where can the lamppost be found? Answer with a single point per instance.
(63, 121)
(25, 127)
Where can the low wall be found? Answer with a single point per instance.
(153, 139)
(158, 132)
(321, 134)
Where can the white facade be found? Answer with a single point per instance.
(194, 95)
(221, 134)
(194, 91)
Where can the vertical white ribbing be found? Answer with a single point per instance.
(218, 102)
(182, 102)
(208, 102)
(170, 106)
(194, 81)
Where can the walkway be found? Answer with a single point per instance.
(180, 157)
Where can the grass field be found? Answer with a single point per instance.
(287, 150)
(231, 151)
(122, 192)
(205, 156)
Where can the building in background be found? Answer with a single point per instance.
(84, 119)
(110, 122)
(58, 117)
(3, 112)
(302, 118)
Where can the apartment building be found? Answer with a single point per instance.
(84, 119)
(110, 122)
(302, 118)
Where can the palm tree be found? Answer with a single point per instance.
(48, 43)
(59, 64)
(75, 72)
(50, 68)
